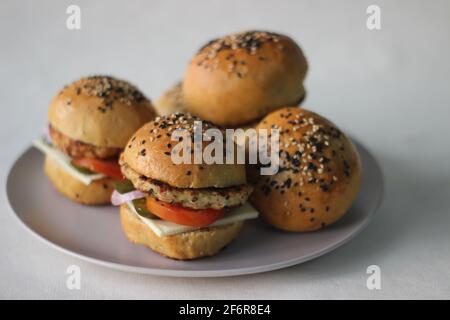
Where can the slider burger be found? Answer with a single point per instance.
(319, 173)
(238, 79)
(182, 211)
(90, 122)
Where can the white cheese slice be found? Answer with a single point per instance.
(65, 162)
(166, 228)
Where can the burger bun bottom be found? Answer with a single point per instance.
(97, 192)
(184, 246)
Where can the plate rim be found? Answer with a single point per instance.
(201, 273)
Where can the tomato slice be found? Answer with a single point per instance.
(183, 216)
(109, 168)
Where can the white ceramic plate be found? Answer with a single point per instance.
(94, 233)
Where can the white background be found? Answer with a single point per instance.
(389, 88)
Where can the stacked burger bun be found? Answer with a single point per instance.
(235, 80)
(171, 101)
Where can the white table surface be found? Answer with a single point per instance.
(389, 88)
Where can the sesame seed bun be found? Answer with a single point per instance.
(319, 177)
(184, 246)
(241, 77)
(100, 110)
(148, 153)
(96, 193)
(171, 101)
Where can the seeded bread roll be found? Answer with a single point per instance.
(149, 154)
(185, 246)
(100, 110)
(96, 193)
(171, 101)
(319, 176)
(240, 78)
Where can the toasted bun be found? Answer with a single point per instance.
(100, 110)
(171, 101)
(149, 154)
(319, 175)
(240, 78)
(97, 193)
(184, 246)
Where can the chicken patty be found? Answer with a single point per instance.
(78, 149)
(203, 198)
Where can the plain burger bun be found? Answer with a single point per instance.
(148, 153)
(184, 246)
(100, 110)
(242, 77)
(319, 176)
(171, 101)
(96, 193)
